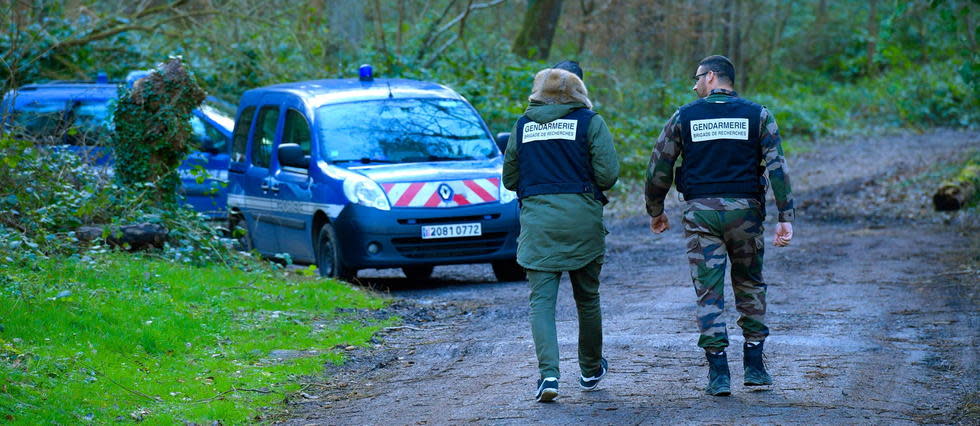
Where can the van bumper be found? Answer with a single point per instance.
(398, 235)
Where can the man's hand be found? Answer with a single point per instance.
(659, 224)
(784, 234)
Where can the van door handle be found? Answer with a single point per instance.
(274, 187)
(264, 186)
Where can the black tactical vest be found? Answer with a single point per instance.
(722, 150)
(554, 157)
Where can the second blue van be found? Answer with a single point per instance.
(77, 116)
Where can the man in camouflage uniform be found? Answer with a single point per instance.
(726, 142)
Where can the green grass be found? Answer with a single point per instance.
(124, 338)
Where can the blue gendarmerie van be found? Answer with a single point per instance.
(77, 116)
(351, 174)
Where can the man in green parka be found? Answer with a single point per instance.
(559, 159)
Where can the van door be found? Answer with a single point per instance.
(238, 165)
(296, 212)
(204, 173)
(260, 192)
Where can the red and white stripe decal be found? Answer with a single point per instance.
(426, 194)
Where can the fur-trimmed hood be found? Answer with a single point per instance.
(557, 86)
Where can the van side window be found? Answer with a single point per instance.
(265, 132)
(297, 130)
(240, 137)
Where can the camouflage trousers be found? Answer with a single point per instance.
(713, 237)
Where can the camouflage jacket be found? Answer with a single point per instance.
(660, 172)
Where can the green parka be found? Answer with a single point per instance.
(562, 232)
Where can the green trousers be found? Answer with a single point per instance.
(544, 295)
(714, 237)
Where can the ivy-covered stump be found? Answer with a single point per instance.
(152, 129)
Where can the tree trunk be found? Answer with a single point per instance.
(588, 7)
(731, 9)
(379, 24)
(538, 29)
(462, 27)
(872, 35)
(141, 236)
(401, 23)
(743, 23)
(782, 14)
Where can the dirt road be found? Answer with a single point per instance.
(873, 310)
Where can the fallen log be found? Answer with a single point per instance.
(958, 192)
(141, 236)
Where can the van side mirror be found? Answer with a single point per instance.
(291, 155)
(502, 139)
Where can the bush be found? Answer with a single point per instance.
(46, 194)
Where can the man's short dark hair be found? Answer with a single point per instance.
(721, 66)
(572, 67)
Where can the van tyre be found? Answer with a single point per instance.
(508, 270)
(328, 259)
(418, 272)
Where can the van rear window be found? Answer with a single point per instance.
(402, 131)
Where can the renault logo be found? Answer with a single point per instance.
(445, 192)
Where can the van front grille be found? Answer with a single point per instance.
(452, 219)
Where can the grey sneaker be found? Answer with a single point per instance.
(592, 382)
(547, 389)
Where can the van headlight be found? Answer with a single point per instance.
(361, 190)
(507, 195)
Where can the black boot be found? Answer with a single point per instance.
(755, 368)
(719, 378)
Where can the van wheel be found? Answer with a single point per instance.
(328, 261)
(418, 273)
(508, 270)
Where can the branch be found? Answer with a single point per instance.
(435, 34)
(188, 15)
(154, 10)
(99, 36)
(463, 15)
(76, 70)
(441, 49)
(233, 389)
(132, 391)
(431, 35)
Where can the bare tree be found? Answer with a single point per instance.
(437, 29)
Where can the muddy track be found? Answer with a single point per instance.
(873, 310)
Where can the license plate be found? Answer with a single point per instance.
(451, 231)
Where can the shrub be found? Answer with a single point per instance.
(46, 194)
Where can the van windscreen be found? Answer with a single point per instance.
(402, 131)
